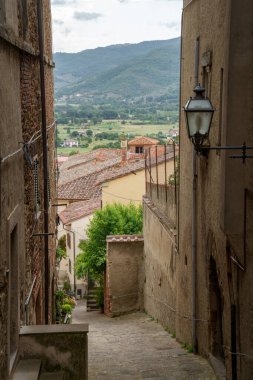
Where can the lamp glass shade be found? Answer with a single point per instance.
(199, 113)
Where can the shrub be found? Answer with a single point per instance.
(66, 308)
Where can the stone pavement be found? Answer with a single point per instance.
(134, 347)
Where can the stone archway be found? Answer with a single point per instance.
(216, 311)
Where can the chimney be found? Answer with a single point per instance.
(123, 150)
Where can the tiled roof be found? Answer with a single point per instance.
(142, 140)
(88, 163)
(82, 183)
(120, 170)
(77, 210)
(124, 238)
(81, 188)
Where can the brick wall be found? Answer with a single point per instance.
(20, 107)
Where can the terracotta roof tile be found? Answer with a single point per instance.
(142, 140)
(124, 238)
(87, 184)
(77, 210)
(88, 163)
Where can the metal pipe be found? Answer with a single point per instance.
(194, 249)
(150, 176)
(45, 159)
(233, 342)
(28, 301)
(196, 67)
(74, 255)
(175, 174)
(146, 172)
(238, 147)
(157, 180)
(165, 173)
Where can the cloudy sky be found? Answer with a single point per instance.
(87, 24)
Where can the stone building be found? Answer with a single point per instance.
(27, 172)
(207, 299)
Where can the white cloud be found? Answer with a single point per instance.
(86, 16)
(86, 24)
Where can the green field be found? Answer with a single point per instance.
(130, 130)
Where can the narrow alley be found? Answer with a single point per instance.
(134, 346)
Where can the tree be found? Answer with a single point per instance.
(89, 133)
(74, 134)
(116, 219)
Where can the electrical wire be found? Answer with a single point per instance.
(31, 141)
(118, 196)
(237, 353)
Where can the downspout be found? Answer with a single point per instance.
(74, 255)
(194, 249)
(45, 159)
(180, 119)
(194, 218)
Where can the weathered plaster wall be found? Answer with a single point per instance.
(124, 274)
(159, 266)
(20, 106)
(225, 29)
(11, 182)
(78, 227)
(62, 347)
(124, 190)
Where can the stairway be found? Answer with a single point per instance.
(91, 299)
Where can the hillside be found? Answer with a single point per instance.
(130, 70)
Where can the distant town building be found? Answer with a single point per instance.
(70, 143)
(92, 180)
(140, 144)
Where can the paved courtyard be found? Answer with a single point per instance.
(135, 347)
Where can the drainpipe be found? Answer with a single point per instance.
(194, 249)
(45, 159)
(194, 218)
(74, 255)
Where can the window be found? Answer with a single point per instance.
(24, 17)
(139, 149)
(2, 12)
(69, 241)
(70, 266)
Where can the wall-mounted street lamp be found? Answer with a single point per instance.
(199, 113)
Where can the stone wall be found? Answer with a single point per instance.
(224, 186)
(160, 282)
(124, 274)
(59, 347)
(20, 106)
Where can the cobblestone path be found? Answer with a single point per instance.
(135, 347)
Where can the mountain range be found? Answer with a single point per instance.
(128, 70)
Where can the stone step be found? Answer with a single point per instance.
(92, 292)
(93, 308)
(27, 369)
(52, 376)
(91, 302)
